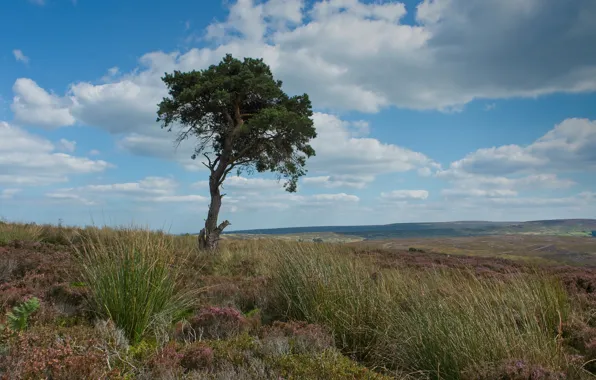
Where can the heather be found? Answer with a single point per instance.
(132, 303)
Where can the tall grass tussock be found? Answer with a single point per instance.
(436, 323)
(135, 277)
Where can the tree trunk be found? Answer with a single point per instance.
(209, 236)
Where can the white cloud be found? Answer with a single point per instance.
(27, 159)
(248, 202)
(9, 193)
(148, 189)
(400, 195)
(340, 153)
(238, 183)
(491, 186)
(532, 202)
(458, 51)
(180, 198)
(462, 192)
(569, 146)
(35, 106)
(162, 146)
(20, 56)
(425, 172)
(333, 181)
(67, 145)
(341, 197)
(94, 152)
(69, 197)
(445, 61)
(146, 186)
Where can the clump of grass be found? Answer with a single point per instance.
(134, 276)
(438, 322)
(29, 232)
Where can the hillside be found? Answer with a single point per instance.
(564, 227)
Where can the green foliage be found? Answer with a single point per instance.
(238, 111)
(135, 278)
(440, 322)
(18, 319)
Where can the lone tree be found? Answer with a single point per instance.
(243, 121)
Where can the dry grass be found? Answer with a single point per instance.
(406, 321)
(436, 322)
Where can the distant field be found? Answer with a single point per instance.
(561, 227)
(547, 249)
(327, 237)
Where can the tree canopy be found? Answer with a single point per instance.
(239, 114)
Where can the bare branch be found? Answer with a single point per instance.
(210, 166)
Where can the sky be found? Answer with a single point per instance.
(433, 110)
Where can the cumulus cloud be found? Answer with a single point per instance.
(352, 55)
(347, 54)
(27, 159)
(20, 56)
(477, 185)
(339, 152)
(569, 146)
(456, 52)
(35, 106)
(148, 189)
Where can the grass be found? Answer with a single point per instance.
(405, 322)
(135, 277)
(436, 322)
(30, 232)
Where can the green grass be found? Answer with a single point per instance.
(134, 277)
(435, 322)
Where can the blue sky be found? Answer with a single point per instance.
(430, 110)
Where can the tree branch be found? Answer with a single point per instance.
(210, 166)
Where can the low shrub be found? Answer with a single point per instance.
(330, 364)
(165, 364)
(295, 338)
(41, 353)
(213, 322)
(197, 356)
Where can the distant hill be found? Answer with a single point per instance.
(570, 227)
